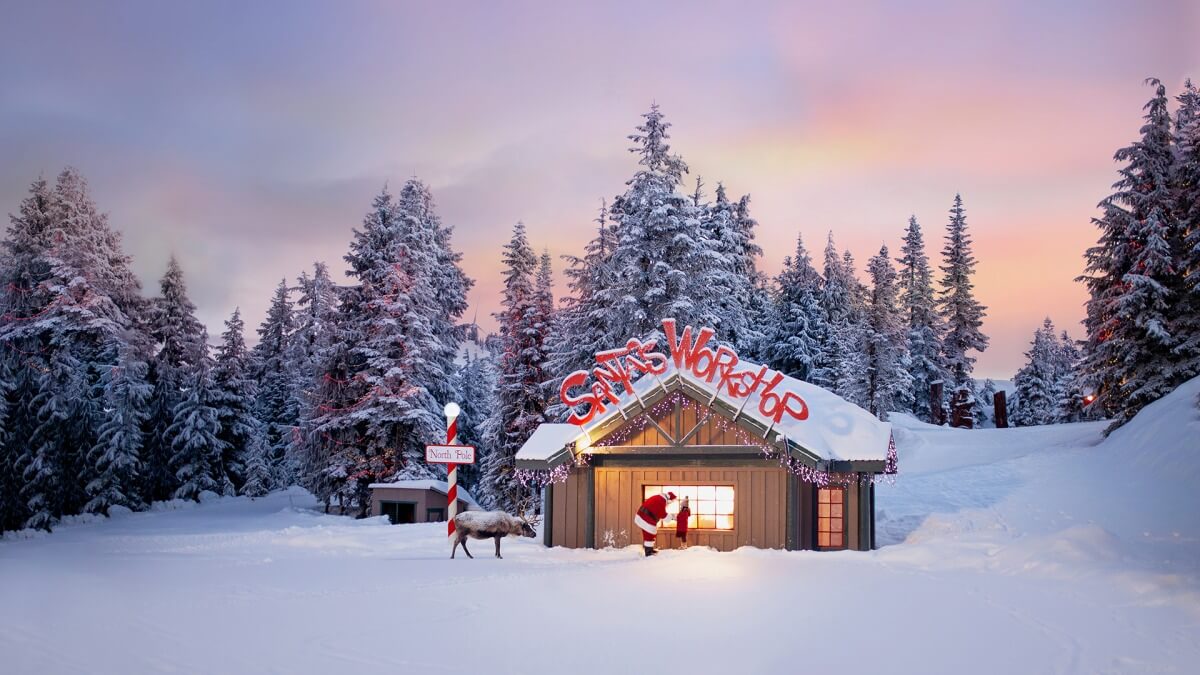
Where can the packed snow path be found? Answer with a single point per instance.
(1035, 550)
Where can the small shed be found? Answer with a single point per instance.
(416, 501)
(766, 460)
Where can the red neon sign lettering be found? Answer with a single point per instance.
(616, 367)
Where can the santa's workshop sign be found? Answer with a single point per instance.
(593, 392)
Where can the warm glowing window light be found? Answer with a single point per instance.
(711, 505)
(831, 517)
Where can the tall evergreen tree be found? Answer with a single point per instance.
(193, 437)
(116, 455)
(520, 402)
(1185, 185)
(960, 311)
(276, 402)
(1133, 276)
(799, 334)
(1036, 383)
(662, 256)
(181, 352)
(587, 323)
(233, 398)
(889, 384)
(923, 324)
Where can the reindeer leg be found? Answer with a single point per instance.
(464, 543)
(453, 550)
(498, 547)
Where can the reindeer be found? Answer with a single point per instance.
(490, 525)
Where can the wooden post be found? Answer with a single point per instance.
(1000, 409)
(935, 404)
(960, 411)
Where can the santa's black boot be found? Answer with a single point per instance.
(649, 551)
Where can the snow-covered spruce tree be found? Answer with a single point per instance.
(276, 404)
(732, 268)
(984, 404)
(756, 304)
(116, 454)
(520, 401)
(70, 302)
(316, 315)
(1133, 276)
(182, 351)
(799, 335)
(924, 325)
(961, 313)
(587, 321)
(547, 318)
(193, 435)
(662, 256)
(256, 463)
(1036, 383)
(233, 398)
(1185, 186)
(845, 304)
(889, 384)
(477, 390)
(10, 486)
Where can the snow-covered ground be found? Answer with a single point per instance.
(1025, 551)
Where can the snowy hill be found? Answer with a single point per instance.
(1043, 549)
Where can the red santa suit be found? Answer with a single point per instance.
(681, 521)
(648, 514)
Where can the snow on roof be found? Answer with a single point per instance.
(439, 486)
(547, 441)
(835, 429)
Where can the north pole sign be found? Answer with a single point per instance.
(450, 454)
(590, 393)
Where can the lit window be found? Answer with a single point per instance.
(711, 505)
(831, 517)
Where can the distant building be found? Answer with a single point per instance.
(416, 501)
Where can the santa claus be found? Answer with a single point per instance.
(646, 519)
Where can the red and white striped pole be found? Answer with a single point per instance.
(451, 411)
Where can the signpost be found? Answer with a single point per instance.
(451, 454)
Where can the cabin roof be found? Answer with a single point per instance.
(439, 486)
(835, 431)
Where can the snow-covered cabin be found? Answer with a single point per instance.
(766, 460)
(416, 501)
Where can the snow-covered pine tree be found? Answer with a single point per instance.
(547, 317)
(193, 436)
(1133, 277)
(181, 353)
(889, 384)
(233, 398)
(276, 404)
(984, 402)
(961, 313)
(587, 321)
(799, 335)
(845, 304)
(520, 403)
(256, 462)
(924, 325)
(1185, 185)
(662, 256)
(1036, 383)
(116, 454)
(70, 302)
(731, 269)
(477, 390)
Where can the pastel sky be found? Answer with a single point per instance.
(250, 137)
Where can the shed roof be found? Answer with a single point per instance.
(835, 430)
(439, 486)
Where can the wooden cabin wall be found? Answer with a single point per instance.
(569, 505)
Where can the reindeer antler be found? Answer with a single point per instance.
(525, 509)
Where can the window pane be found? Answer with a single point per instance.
(835, 510)
(725, 507)
(836, 525)
(708, 492)
(835, 496)
(724, 522)
(823, 510)
(725, 493)
(835, 540)
(823, 539)
(706, 522)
